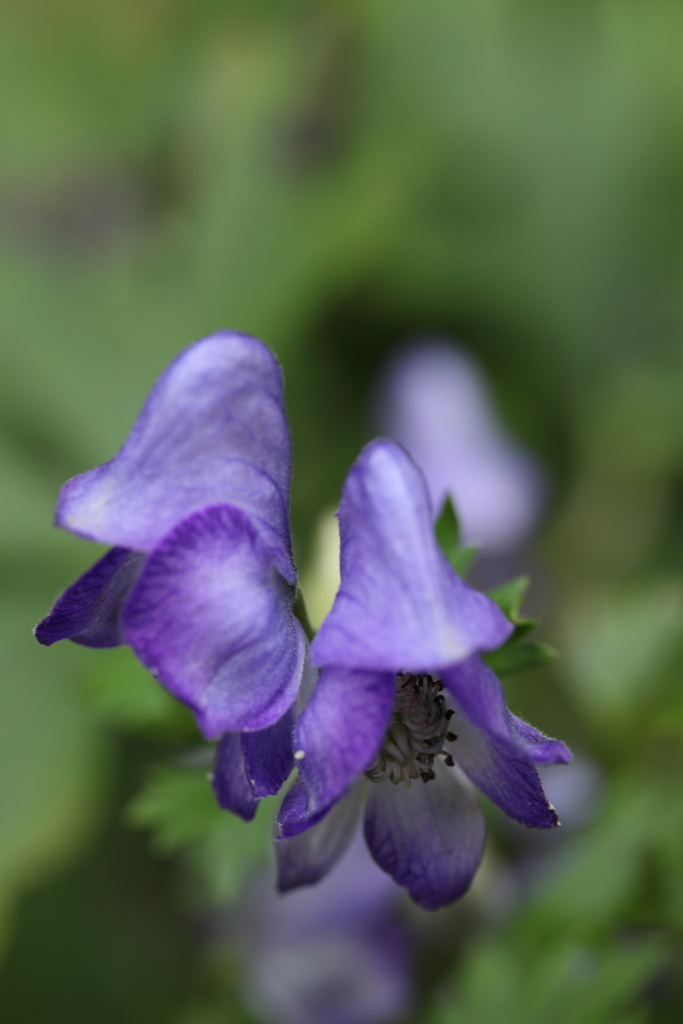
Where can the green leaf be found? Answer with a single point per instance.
(563, 983)
(509, 597)
(124, 693)
(447, 528)
(447, 531)
(513, 657)
(179, 807)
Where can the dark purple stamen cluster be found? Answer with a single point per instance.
(416, 733)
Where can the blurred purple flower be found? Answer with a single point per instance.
(333, 955)
(200, 581)
(403, 627)
(435, 401)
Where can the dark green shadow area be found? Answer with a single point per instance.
(103, 943)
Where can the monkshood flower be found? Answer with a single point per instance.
(436, 402)
(200, 580)
(405, 715)
(335, 954)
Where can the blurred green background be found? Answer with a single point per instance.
(335, 177)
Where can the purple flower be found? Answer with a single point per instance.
(200, 581)
(436, 402)
(405, 716)
(336, 954)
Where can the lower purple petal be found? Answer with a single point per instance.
(230, 783)
(506, 778)
(539, 747)
(479, 696)
(268, 756)
(429, 837)
(341, 730)
(305, 858)
(89, 612)
(295, 814)
(212, 618)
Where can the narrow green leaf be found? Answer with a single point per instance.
(179, 808)
(513, 657)
(462, 560)
(509, 597)
(447, 530)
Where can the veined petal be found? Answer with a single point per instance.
(539, 747)
(429, 837)
(506, 778)
(211, 617)
(305, 858)
(341, 731)
(400, 604)
(89, 611)
(213, 431)
(230, 783)
(268, 756)
(479, 696)
(295, 815)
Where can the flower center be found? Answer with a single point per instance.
(416, 733)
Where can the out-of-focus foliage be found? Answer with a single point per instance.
(335, 177)
(181, 809)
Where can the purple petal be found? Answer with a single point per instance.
(506, 778)
(213, 431)
(539, 747)
(89, 611)
(268, 756)
(437, 403)
(479, 695)
(341, 730)
(230, 783)
(400, 604)
(294, 815)
(212, 618)
(429, 837)
(305, 858)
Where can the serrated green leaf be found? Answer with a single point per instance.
(179, 808)
(462, 560)
(123, 692)
(509, 597)
(513, 657)
(447, 530)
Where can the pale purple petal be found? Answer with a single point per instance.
(539, 747)
(400, 604)
(213, 431)
(429, 837)
(211, 617)
(89, 612)
(507, 778)
(333, 953)
(295, 815)
(268, 756)
(341, 730)
(437, 403)
(230, 783)
(305, 858)
(479, 695)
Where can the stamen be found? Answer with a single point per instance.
(416, 733)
